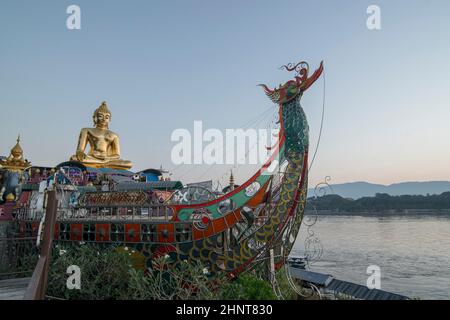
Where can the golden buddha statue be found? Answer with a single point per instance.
(104, 144)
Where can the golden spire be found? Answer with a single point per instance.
(15, 160)
(17, 151)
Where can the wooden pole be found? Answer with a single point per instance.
(38, 284)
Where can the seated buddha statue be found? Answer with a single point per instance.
(104, 144)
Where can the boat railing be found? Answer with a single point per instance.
(113, 213)
(18, 254)
(124, 224)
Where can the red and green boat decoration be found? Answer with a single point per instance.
(228, 233)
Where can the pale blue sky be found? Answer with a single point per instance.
(161, 65)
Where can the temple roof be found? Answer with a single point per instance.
(152, 171)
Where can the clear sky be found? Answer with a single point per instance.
(161, 65)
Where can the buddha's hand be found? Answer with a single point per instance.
(81, 156)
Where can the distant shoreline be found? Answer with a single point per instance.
(390, 213)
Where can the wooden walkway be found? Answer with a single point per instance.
(13, 289)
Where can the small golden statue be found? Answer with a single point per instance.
(104, 144)
(15, 161)
(15, 174)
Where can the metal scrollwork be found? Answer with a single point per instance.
(302, 68)
(321, 188)
(313, 246)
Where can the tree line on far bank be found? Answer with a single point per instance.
(380, 202)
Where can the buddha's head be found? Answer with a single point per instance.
(102, 116)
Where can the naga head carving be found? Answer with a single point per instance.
(293, 88)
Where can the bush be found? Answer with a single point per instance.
(105, 273)
(108, 273)
(248, 287)
(185, 281)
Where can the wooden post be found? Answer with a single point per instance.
(38, 284)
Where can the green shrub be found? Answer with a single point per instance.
(105, 273)
(248, 287)
(185, 281)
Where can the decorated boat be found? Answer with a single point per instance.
(100, 200)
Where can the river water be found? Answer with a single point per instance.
(413, 252)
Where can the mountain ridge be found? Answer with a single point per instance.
(359, 189)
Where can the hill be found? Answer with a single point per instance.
(356, 190)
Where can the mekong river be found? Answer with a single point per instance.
(413, 252)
